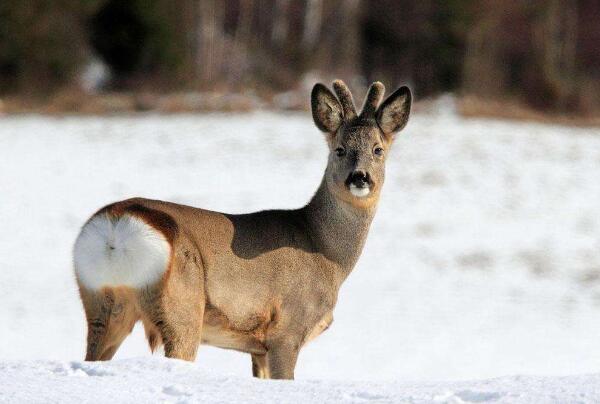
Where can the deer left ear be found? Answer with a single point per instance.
(326, 109)
(392, 115)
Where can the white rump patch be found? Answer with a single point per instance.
(359, 192)
(122, 251)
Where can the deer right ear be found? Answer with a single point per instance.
(326, 109)
(393, 114)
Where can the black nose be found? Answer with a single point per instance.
(359, 178)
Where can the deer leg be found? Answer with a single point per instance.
(111, 315)
(181, 340)
(179, 324)
(281, 358)
(176, 309)
(260, 368)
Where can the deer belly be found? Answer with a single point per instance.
(218, 331)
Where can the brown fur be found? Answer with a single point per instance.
(264, 283)
(111, 315)
(155, 218)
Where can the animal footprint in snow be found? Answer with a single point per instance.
(176, 390)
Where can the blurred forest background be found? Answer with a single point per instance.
(106, 55)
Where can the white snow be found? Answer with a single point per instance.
(483, 260)
(153, 380)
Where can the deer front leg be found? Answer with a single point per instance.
(281, 358)
(260, 368)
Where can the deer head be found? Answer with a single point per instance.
(358, 144)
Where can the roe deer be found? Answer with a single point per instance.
(264, 283)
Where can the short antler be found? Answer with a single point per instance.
(373, 99)
(345, 97)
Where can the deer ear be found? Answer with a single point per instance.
(326, 109)
(392, 115)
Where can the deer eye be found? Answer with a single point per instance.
(340, 152)
(378, 151)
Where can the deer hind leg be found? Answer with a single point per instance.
(260, 366)
(174, 310)
(111, 315)
(152, 334)
(177, 324)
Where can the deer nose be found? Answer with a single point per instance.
(359, 178)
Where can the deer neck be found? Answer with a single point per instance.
(338, 228)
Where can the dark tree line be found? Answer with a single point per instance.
(543, 52)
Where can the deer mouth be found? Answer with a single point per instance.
(359, 184)
(359, 192)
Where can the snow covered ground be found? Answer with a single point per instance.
(483, 260)
(152, 380)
